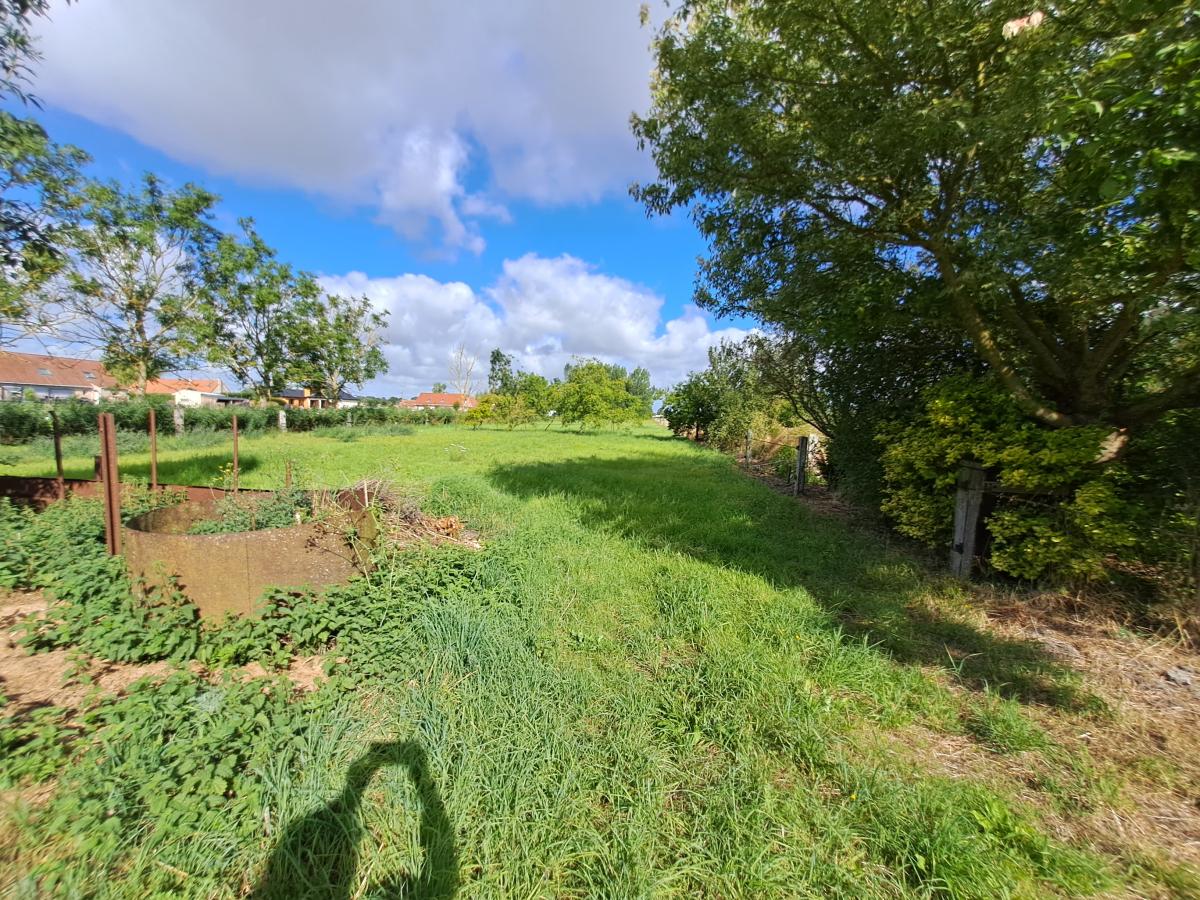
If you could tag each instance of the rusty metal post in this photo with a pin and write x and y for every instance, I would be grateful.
(235, 453)
(110, 473)
(60, 483)
(801, 481)
(153, 451)
(968, 503)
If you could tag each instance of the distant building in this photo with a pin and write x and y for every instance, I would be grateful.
(305, 398)
(53, 378)
(194, 392)
(430, 400)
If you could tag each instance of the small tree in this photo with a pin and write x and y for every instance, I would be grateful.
(251, 316)
(439, 387)
(336, 343)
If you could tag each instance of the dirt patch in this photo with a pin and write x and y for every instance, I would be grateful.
(1128, 782)
(41, 679)
(305, 672)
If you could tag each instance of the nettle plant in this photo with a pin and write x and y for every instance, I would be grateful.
(1070, 513)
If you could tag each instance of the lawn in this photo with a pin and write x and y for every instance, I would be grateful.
(658, 678)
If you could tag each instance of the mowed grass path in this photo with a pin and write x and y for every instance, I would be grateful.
(683, 685)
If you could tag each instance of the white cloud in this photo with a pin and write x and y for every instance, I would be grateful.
(394, 104)
(543, 311)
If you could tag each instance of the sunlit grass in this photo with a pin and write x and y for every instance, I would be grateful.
(668, 681)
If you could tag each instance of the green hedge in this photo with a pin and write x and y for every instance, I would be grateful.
(21, 422)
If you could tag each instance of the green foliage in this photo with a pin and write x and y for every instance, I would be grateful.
(234, 513)
(638, 617)
(1069, 531)
(250, 316)
(133, 284)
(35, 745)
(896, 145)
(334, 342)
(594, 394)
(94, 606)
(723, 402)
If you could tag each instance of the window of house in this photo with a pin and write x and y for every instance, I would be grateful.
(43, 371)
(90, 376)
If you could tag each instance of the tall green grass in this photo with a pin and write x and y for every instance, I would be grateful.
(658, 679)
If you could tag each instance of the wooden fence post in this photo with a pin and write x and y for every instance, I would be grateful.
(746, 456)
(235, 453)
(60, 483)
(287, 475)
(801, 465)
(153, 426)
(967, 505)
(110, 473)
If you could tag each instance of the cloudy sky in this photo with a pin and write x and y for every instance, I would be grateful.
(464, 163)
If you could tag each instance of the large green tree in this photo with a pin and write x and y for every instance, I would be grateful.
(336, 343)
(133, 289)
(252, 312)
(1030, 178)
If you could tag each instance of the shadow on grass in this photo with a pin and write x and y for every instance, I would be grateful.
(698, 506)
(317, 856)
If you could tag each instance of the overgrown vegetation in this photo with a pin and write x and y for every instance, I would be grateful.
(652, 671)
(927, 200)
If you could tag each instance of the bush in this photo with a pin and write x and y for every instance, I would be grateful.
(1073, 515)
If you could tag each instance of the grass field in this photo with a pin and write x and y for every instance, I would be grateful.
(658, 679)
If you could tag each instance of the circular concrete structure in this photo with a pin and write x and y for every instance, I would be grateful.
(227, 573)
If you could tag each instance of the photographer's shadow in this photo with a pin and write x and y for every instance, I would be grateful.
(317, 856)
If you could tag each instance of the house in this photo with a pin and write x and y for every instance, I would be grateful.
(194, 391)
(53, 377)
(305, 398)
(430, 400)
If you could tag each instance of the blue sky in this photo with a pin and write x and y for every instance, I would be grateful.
(464, 164)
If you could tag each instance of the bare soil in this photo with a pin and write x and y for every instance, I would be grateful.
(42, 679)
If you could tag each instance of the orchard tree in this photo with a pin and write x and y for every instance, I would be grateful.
(132, 290)
(335, 342)
(595, 393)
(1038, 170)
(439, 387)
(251, 313)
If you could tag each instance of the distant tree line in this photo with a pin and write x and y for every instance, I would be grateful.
(591, 393)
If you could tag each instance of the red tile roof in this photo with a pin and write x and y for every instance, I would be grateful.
(171, 385)
(38, 370)
(427, 398)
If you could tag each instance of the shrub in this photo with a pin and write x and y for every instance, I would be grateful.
(1073, 514)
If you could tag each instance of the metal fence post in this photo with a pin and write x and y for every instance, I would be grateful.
(235, 453)
(153, 425)
(968, 502)
(60, 483)
(801, 465)
(110, 473)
